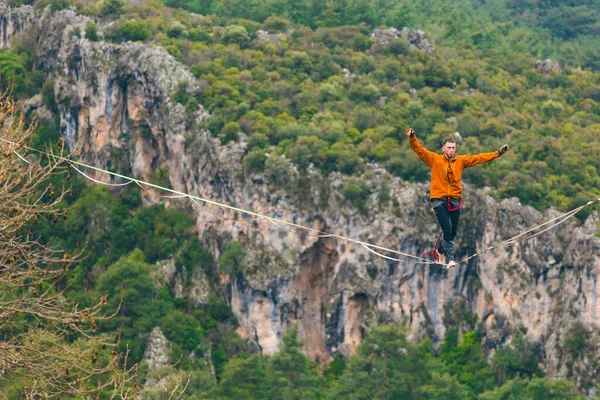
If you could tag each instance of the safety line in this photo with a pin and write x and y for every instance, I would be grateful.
(222, 218)
(561, 218)
(397, 259)
(100, 182)
(208, 201)
(319, 233)
(20, 156)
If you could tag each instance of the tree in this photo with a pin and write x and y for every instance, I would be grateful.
(130, 289)
(294, 375)
(91, 31)
(444, 387)
(536, 389)
(515, 360)
(232, 258)
(13, 72)
(288, 374)
(236, 34)
(466, 360)
(111, 7)
(386, 366)
(244, 379)
(37, 322)
(134, 30)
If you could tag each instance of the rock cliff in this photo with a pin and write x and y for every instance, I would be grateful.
(116, 112)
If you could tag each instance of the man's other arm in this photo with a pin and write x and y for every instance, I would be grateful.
(471, 161)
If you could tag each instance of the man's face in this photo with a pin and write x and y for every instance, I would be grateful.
(449, 150)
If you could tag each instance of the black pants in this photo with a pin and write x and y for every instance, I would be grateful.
(448, 221)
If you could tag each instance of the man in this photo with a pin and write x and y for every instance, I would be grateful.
(445, 191)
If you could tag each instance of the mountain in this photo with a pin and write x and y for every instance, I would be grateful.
(132, 108)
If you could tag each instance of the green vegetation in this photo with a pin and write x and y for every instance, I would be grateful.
(111, 8)
(329, 96)
(17, 74)
(91, 31)
(123, 241)
(111, 227)
(542, 29)
(324, 94)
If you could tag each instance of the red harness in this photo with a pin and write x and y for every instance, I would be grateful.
(455, 208)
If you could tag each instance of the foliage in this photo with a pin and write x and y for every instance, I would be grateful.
(39, 357)
(515, 360)
(386, 366)
(15, 75)
(231, 260)
(534, 389)
(358, 193)
(236, 34)
(466, 360)
(575, 344)
(129, 287)
(289, 374)
(132, 29)
(111, 8)
(331, 98)
(91, 31)
(324, 94)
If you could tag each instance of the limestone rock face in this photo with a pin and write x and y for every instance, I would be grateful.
(116, 112)
(35, 106)
(192, 283)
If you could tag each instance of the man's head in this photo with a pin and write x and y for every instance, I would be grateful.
(449, 148)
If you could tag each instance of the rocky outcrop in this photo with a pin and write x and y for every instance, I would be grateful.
(192, 283)
(265, 36)
(548, 66)
(113, 98)
(13, 21)
(36, 107)
(415, 38)
(158, 352)
(117, 113)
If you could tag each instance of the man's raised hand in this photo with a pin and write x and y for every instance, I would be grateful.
(410, 132)
(503, 149)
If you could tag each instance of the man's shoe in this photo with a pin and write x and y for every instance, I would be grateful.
(451, 264)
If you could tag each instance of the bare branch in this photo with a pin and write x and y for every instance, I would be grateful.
(47, 343)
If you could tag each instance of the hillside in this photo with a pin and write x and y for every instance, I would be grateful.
(298, 118)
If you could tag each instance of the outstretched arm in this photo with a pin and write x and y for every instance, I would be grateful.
(470, 161)
(425, 155)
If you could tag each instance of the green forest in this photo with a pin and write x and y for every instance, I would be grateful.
(324, 93)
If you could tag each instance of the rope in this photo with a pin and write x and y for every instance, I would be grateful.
(20, 156)
(397, 259)
(561, 218)
(100, 182)
(208, 201)
(519, 237)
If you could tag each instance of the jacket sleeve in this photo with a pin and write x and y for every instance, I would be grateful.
(471, 161)
(425, 155)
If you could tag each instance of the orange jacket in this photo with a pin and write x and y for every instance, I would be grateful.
(446, 175)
